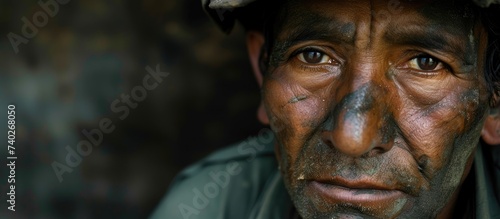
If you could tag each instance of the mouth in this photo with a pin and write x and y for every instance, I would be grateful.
(362, 193)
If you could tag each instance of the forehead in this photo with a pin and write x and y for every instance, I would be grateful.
(453, 18)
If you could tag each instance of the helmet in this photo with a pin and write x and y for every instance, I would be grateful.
(226, 12)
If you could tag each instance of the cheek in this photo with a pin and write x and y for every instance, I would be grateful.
(449, 128)
(295, 110)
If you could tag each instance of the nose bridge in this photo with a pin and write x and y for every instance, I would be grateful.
(360, 121)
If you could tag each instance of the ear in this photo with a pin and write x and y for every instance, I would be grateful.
(255, 43)
(491, 128)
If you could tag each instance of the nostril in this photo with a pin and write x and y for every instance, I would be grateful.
(326, 138)
(375, 152)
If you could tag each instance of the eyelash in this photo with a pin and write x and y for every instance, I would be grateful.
(303, 50)
(439, 61)
(310, 67)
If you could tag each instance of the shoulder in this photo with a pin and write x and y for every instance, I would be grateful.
(226, 184)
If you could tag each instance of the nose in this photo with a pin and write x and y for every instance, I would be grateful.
(360, 124)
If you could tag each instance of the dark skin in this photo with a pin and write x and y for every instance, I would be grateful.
(375, 117)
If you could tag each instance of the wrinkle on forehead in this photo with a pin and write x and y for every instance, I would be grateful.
(366, 31)
(304, 24)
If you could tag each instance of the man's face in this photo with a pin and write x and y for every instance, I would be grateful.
(377, 106)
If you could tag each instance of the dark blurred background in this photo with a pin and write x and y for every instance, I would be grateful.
(65, 78)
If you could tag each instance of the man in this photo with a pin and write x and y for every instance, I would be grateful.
(379, 109)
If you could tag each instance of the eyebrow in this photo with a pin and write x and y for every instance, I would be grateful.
(317, 27)
(431, 38)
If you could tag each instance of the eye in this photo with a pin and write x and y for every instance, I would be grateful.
(426, 63)
(314, 57)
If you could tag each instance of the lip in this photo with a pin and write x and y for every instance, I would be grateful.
(359, 193)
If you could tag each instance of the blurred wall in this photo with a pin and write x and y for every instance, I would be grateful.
(65, 79)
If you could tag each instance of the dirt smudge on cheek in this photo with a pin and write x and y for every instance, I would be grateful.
(473, 110)
(297, 99)
(449, 175)
(474, 114)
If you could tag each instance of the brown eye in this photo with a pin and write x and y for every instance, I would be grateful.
(426, 63)
(314, 57)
